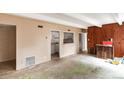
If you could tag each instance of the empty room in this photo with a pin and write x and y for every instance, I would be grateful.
(61, 45)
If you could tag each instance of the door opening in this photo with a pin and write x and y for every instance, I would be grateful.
(55, 43)
(7, 48)
(84, 42)
(80, 43)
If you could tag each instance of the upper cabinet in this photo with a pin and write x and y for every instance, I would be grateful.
(108, 31)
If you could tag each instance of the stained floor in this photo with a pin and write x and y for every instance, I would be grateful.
(73, 67)
(7, 66)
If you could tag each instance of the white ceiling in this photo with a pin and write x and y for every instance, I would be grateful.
(80, 20)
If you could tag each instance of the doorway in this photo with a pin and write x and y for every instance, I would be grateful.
(80, 43)
(7, 48)
(55, 43)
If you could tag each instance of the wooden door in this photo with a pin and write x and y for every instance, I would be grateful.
(90, 37)
(90, 40)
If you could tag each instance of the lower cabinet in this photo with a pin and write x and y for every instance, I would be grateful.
(105, 52)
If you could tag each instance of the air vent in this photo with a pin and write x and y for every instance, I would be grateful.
(30, 61)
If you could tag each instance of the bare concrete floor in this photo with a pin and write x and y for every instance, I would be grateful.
(6, 67)
(73, 67)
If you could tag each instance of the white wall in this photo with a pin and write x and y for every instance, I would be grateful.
(34, 41)
(69, 48)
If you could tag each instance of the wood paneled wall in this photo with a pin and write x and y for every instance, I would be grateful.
(96, 35)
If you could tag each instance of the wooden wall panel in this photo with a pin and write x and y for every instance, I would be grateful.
(121, 40)
(116, 40)
(106, 32)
